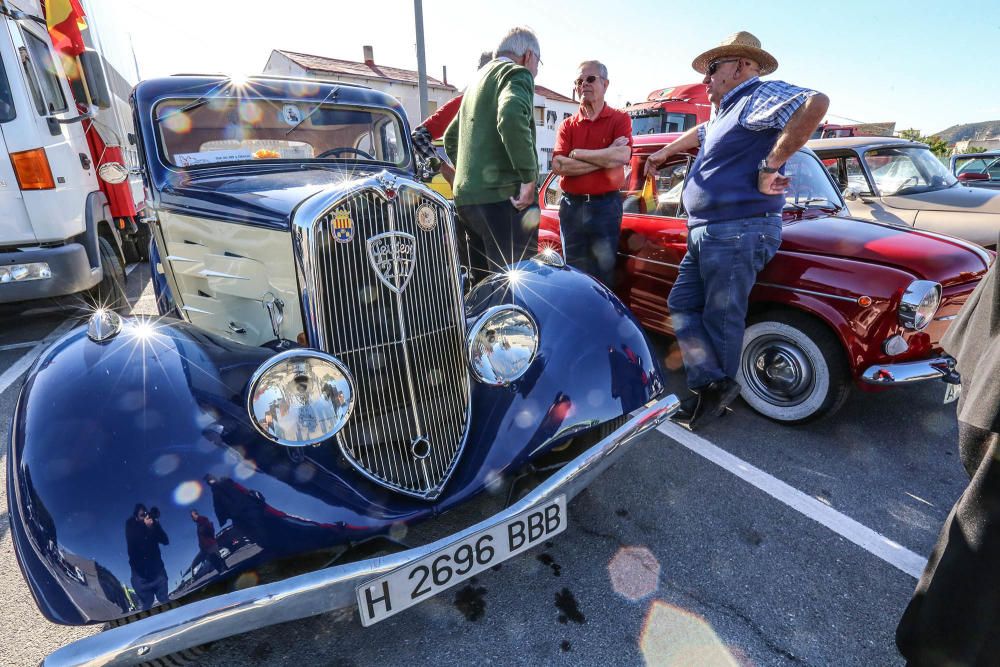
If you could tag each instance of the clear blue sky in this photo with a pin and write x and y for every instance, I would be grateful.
(920, 63)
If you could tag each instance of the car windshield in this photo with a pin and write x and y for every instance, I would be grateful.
(907, 170)
(809, 184)
(989, 165)
(226, 130)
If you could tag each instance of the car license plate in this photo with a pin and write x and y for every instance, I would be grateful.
(415, 582)
(952, 392)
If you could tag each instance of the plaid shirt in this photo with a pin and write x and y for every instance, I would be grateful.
(770, 107)
(422, 143)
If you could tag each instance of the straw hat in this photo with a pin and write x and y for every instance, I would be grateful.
(741, 44)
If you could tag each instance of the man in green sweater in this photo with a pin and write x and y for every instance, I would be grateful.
(492, 143)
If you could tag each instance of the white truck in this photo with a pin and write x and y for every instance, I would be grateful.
(70, 199)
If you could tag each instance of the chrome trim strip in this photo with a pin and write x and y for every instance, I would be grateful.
(812, 292)
(651, 261)
(192, 309)
(208, 273)
(178, 258)
(328, 589)
(907, 372)
(946, 318)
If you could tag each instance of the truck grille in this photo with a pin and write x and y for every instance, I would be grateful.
(402, 335)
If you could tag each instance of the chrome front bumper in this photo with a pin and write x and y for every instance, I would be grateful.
(329, 589)
(910, 371)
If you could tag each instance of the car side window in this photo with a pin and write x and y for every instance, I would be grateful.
(856, 175)
(834, 167)
(665, 198)
(553, 193)
(41, 70)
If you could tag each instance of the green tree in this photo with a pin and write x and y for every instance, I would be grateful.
(938, 146)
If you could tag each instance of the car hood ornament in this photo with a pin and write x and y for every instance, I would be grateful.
(393, 256)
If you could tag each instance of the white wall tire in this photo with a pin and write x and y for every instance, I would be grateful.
(792, 369)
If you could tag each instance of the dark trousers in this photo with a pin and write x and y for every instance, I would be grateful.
(708, 303)
(590, 231)
(498, 235)
(148, 590)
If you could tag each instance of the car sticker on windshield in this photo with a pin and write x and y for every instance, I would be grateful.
(209, 157)
(291, 114)
(343, 226)
(426, 218)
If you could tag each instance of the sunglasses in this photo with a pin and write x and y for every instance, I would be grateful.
(714, 65)
(585, 79)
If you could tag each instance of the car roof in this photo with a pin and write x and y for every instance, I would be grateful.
(859, 143)
(995, 153)
(655, 139)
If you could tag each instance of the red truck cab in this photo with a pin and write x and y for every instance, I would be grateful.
(670, 109)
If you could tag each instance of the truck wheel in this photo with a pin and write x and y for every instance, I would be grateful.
(110, 292)
(793, 369)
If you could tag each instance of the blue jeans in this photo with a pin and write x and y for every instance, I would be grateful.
(590, 232)
(708, 303)
(148, 589)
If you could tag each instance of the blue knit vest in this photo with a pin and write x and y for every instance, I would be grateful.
(723, 181)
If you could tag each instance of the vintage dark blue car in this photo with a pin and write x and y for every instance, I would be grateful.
(320, 382)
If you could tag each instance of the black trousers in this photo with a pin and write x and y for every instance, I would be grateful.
(498, 235)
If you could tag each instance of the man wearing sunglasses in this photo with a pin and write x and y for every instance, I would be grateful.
(733, 197)
(492, 145)
(592, 148)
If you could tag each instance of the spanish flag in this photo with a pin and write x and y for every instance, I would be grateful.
(647, 200)
(65, 20)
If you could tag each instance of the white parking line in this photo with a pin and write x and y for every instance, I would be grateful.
(878, 545)
(24, 363)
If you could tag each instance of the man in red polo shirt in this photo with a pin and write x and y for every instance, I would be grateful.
(591, 151)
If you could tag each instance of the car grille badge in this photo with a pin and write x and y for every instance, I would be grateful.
(393, 255)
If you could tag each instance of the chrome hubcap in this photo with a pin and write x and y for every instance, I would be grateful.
(778, 371)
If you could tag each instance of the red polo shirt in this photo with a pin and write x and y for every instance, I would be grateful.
(580, 132)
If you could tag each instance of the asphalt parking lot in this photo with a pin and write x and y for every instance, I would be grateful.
(748, 543)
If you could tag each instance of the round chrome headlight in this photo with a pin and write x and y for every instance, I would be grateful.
(300, 397)
(502, 344)
(919, 303)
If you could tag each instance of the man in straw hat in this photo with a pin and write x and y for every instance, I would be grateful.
(733, 197)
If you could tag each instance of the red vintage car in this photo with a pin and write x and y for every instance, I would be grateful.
(844, 303)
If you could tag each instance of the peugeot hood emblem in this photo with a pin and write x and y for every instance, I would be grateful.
(393, 256)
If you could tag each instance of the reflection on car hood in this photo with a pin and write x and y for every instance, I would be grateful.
(261, 198)
(931, 257)
(955, 198)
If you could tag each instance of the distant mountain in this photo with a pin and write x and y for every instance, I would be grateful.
(984, 130)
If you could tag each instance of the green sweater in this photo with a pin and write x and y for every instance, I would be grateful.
(492, 139)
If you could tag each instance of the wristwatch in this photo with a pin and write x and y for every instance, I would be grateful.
(764, 168)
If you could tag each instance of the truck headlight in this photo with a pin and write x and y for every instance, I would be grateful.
(502, 344)
(919, 303)
(300, 397)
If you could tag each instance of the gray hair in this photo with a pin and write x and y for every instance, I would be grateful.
(517, 42)
(601, 69)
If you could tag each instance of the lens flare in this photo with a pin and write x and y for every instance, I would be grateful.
(187, 492)
(672, 636)
(634, 573)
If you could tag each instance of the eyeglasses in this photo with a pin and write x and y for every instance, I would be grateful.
(714, 65)
(588, 79)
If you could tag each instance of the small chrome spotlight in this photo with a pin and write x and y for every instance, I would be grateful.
(104, 325)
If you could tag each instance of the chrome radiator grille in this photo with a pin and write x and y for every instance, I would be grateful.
(402, 339)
